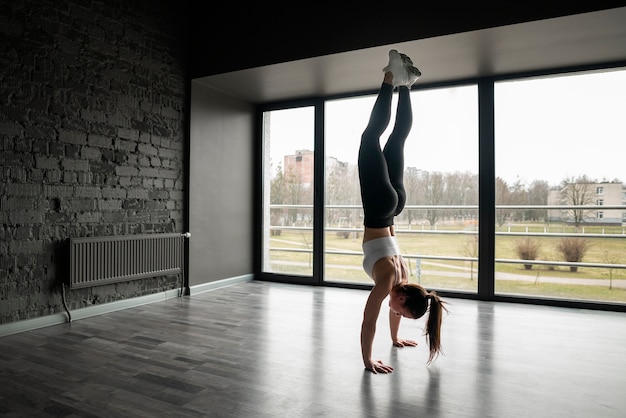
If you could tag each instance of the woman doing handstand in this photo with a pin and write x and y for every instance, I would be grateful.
(383, 196)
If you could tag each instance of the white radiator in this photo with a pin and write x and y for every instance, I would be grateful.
(101, 260)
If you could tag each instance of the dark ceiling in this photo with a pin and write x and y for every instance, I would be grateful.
(574, 40)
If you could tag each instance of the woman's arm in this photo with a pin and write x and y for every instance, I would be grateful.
(368, 329)
(394, 326)
(395, 318)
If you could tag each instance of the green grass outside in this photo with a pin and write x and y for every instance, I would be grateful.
(456, 275)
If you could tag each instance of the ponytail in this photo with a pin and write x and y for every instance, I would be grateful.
(433, 325)
(418, 302)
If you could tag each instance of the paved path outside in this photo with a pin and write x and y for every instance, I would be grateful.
(464, 273)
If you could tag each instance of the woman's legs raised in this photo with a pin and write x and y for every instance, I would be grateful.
(377, 193)
(394, 148)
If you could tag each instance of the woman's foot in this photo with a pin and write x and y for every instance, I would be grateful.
(406, 59)
(414, 74)
(412, 71)
(397, 68)
(401, 66)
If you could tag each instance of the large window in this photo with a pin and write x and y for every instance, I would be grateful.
(288, 185)
(560, 144)
(552, 181)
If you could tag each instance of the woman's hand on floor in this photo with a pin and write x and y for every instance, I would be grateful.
(377, 366)
(404, 343)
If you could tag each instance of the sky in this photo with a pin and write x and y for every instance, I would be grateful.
(546, 128)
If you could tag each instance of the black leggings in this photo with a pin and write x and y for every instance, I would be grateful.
(381, 171)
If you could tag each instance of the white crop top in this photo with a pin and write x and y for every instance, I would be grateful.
(376, 249)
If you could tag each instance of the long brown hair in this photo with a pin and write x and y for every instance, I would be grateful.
(417, 302)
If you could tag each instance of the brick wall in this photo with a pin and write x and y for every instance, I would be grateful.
(92, 140)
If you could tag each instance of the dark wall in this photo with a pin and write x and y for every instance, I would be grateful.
(92, 139)
(254, 34)
(221, 188)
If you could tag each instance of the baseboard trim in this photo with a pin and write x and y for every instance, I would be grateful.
(94, 310)
(206, 287)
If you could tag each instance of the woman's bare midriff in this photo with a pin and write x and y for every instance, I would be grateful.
(373, 233)
(386, 267)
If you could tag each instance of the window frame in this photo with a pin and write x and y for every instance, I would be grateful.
(486, 196)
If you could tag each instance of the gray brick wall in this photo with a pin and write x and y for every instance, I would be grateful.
(92, 141)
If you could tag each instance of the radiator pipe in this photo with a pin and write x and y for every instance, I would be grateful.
(184, 290)
(69, 315)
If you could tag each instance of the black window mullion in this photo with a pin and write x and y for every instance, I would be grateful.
(486, 190)
(318, 194)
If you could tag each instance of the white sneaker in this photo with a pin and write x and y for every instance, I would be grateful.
(413, 74)
(406, 59)
(397, 68)
(412, 71)
(401, 66)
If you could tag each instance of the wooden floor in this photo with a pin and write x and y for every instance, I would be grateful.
(260, 349)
